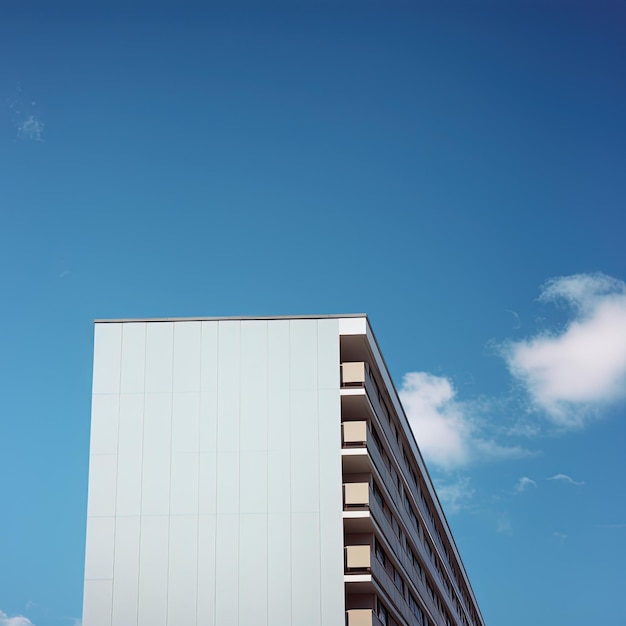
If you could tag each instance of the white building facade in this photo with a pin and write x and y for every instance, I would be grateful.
(259, 471)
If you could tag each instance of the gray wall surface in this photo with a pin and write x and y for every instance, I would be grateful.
(215, 475)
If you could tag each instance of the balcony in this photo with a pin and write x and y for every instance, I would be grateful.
(358, 558)
(362, 617)
(356, 495)
(354, 434)
(353, 374)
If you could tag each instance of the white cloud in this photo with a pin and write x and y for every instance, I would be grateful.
(448, 432)
(437, 419)
(18, 620)
(566, 479)
(31, 128)
(456, 495)
(572, 373)
(524, 483)
(561, 537)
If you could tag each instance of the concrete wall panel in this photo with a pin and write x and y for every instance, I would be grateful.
(99, 551)
(130, 454)
(104, 423)
(153, 571)
(187, 356)
(126, 572)
(107, 358)
(133, 358)
(182, 591)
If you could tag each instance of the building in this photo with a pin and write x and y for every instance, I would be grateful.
(260, 471)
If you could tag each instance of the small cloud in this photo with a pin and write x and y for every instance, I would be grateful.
(524, 429)
(612, 526)
(24, 115)
(503, 525)
(564, 478)
(572, 374)
(561, 537)
(456, 495)
(449, 433)
(517, 323)
(18, 620)
(64, 273)
(31, 128)
(524, 483)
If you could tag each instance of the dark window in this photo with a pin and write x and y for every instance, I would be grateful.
(377, 494)
(380, 553)
(382, 613)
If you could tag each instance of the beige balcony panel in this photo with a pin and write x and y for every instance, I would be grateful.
(358, 557)
(359, 617)
(356, 494)
(355, 432)
(352, 373)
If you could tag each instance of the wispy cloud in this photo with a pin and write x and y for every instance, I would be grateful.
(455, 495)
(503, 525)
(517, 323)
(25, 116)
(450, 433)
(572, 373)
(564, 478)
(18, 620)
(31, 128)
(524, 483)
(561, 537)
(612, 526)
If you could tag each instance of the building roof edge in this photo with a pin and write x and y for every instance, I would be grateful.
(227, 318)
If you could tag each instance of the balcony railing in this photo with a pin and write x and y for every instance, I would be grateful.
(353, 374)
(362, 617)
(354, 433)
(356, 495)
(358, 557)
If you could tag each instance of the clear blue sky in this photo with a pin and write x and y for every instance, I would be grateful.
(455, 170)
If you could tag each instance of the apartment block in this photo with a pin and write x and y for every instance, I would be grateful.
(260, 471)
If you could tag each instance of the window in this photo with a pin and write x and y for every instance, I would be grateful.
(380, 553)
(416, 610)
(376, 439)
(377, 494)
(383, 407)
(382, 613)
(430, 590)
(396, 527)
(397, 580)
(395, 478)
(418, 566)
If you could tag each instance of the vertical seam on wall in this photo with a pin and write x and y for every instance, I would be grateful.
(169, 508)
(239, 470)
(267, 474)
(143, 431)
(117, 457)
(319, 461)
(217, 425)
(198, 472)
(290, 474)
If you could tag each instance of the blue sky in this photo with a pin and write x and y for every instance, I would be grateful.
(455, 170)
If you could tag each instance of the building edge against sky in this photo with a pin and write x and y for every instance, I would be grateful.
(260, 470)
